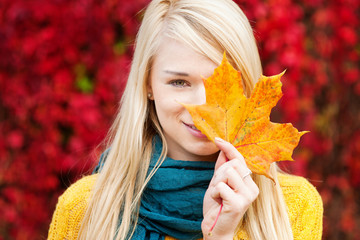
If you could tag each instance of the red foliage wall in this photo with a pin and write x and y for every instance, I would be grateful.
(63, 65)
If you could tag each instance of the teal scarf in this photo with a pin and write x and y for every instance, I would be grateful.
(172, 202)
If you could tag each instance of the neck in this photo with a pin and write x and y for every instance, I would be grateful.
(192, 157)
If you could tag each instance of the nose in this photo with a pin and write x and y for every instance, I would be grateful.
(199, 96)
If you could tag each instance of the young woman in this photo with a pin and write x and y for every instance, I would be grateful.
(161, 178)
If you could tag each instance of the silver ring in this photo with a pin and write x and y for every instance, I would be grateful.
(247, 174)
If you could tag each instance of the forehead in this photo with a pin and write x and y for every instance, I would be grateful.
(175, 55)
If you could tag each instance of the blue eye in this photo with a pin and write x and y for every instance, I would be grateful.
(179, 83)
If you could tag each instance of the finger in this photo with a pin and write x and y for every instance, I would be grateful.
(226, 175)
(235, 175)
(230, 199)
(235, 157)
(250, 184)
(229, 150)
(220, 160)
(245, 174)
(222, 191)
(236, 164)
(230, 176)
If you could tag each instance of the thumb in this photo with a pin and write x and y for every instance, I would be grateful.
(220, 160)
(227, 148)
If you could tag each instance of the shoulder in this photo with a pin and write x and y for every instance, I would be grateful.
(296, 188)
(76, 197)
(70, 209)
(304, 205)
(78, 191)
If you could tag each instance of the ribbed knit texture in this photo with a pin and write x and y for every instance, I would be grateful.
(303, 201)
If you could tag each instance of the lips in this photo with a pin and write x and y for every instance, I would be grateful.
(194, 131)
(192, 126)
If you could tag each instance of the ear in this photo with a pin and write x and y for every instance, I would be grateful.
(150, 95)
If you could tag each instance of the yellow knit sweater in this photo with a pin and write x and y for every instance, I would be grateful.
(304, 207)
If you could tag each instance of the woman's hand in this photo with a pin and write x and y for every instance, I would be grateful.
(232, 186)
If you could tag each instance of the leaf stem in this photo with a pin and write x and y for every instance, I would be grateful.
(217, 217)
(212, 227)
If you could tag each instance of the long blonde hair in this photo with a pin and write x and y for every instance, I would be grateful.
(210, 28)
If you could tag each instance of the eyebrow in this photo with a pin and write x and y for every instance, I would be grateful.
(177, 73)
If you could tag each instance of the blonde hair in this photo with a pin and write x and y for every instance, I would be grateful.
(210, 28)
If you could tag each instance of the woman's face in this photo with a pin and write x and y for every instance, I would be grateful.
(176, 77)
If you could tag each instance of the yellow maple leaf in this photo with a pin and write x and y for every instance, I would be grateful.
(243, 121)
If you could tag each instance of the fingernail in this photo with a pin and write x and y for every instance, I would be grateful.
(219, 140)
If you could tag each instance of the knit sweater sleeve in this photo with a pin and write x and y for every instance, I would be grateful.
(305, 207)
(70, 210)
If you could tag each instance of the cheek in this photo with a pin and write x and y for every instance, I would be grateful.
(168, 108)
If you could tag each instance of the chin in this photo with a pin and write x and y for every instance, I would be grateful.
(207, 152)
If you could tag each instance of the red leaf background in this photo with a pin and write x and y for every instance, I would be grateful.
(63, 66)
